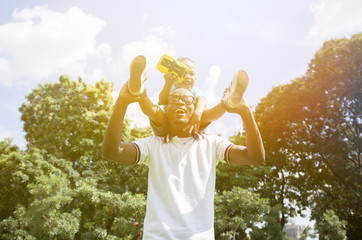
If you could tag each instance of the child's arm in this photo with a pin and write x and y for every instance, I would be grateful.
(169, 81)
(194, 124)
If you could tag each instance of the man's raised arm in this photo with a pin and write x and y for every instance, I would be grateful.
(113, 147)
(254, 151)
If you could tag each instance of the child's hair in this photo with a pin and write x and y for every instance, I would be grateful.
(185, 58)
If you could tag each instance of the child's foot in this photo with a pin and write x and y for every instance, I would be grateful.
(236, 90)
(136, 83)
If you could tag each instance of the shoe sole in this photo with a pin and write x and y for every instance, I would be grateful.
(241, 81)
(136, 69)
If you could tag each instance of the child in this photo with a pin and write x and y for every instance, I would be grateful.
(201, 117)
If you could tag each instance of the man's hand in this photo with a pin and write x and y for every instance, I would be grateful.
(126, 97)
(243, 106)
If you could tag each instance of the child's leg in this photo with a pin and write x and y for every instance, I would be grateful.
(212, 114)
(232, 97)
(152, 111)
(136, 88)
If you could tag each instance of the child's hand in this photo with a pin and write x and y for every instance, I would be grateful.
(170, 78)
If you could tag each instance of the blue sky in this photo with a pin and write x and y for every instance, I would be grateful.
(272, 40)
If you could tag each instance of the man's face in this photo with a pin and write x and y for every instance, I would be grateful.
(180, 107)
(190, 76)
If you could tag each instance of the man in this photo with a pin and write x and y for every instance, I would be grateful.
(181, 167)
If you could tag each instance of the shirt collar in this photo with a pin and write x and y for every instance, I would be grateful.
(170, 138)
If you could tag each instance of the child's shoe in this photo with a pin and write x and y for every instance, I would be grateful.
(236, 90)
(137, 78)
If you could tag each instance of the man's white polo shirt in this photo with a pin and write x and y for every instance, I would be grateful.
(181, 185)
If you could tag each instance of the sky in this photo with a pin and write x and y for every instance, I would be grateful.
(273, 40)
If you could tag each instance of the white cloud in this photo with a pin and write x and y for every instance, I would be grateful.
(209, 85)
(273, 33)
(95, 76)
(153, 46)
(104, 50)
(40, 42)
(163, 30)
(5, 133)
(145, 19)
(16, 136)
(5, 71)
(334, 18)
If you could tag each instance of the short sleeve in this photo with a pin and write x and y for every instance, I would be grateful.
(196, 91)
(222, 149)
(143, 150)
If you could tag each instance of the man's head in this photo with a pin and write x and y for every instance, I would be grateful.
(179, 109)
(190, 76)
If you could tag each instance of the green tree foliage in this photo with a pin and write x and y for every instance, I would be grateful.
(271, 228)
(38, 196)
(11, 190)
(52, 208)
(68, 118)
(330, 227)
(308, 232)
(229, 176)
(66, 190)
(236, 211)
(312, 133)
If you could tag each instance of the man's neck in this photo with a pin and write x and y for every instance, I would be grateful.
(179, 132)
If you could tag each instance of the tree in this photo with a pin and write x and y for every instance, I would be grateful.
(331, 228)
(230, 176)
(236, 211)
(271, 228)
(271, 180)
(49, 207)
(36, 186)
(61, 187)
(307, 232)
(12, 187)
(311, 128)
(238, 206)
(68, 118)
(280, 182)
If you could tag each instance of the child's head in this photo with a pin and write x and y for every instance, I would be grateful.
(190, 76)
